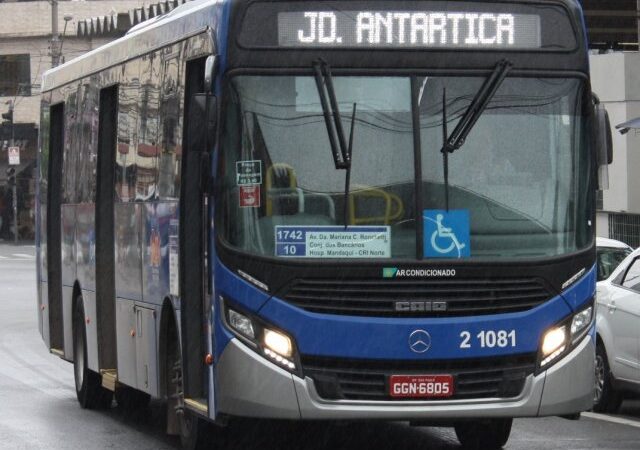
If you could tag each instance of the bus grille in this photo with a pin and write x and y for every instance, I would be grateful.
(471, 297)
(341, 379)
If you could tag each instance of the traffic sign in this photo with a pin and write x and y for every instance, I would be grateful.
(14, 156)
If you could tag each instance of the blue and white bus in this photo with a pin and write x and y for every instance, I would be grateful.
(337, 209)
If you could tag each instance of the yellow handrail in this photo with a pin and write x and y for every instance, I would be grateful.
(291, 175)
(392, 201)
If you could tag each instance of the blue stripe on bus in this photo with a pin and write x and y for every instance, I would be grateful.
(233, 287)
(387, 338)
(582, 291)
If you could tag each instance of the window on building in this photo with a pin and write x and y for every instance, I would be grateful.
(625, 228)
(15, 75)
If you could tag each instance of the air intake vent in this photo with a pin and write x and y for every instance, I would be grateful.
(341, 379)
(417, 298)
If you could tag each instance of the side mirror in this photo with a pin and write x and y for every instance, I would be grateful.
(604, 138)
(202, 122)
(202, 130)
(205, 106)
(210, 69)
(603, 144)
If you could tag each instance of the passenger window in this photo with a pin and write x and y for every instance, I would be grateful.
(44, 151)
(88, 143)
(147, 148)
(128, 104)
(71, 149)
(171, 104)
(632, 277)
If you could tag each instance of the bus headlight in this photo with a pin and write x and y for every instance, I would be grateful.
(580, 321)
(560, 339)
(553, 344)
(278, 343)
(241, 324)
(265, 339)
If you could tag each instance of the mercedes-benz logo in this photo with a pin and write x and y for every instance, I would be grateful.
(419, 341)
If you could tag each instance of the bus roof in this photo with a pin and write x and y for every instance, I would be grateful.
(184, 21)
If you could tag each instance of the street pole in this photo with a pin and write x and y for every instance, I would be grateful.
(15, 178)
(55, 39)
(15, 209)
(638, 21)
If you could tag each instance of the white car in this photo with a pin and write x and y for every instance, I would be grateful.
(610, 255)
(617, 324)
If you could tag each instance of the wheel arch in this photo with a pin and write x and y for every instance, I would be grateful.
(168, 319)
(604, 338)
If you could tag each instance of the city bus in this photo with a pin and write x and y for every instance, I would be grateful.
(327, 210)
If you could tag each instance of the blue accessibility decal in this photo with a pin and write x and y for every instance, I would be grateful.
(447, 233)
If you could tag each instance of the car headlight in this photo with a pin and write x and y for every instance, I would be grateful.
(562, 338)
(267, 340)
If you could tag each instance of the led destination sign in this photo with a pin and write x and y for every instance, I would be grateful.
(413, 29)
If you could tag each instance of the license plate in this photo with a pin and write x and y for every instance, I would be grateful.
(421, 386)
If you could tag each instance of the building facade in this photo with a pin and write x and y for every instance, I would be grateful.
(615, 79)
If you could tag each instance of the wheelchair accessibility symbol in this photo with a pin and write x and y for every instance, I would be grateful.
(446, 234)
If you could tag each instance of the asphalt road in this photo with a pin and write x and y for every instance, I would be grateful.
(38, 408)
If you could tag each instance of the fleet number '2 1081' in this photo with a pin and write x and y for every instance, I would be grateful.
(489, 339)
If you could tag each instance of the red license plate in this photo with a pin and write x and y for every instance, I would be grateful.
(421, 386)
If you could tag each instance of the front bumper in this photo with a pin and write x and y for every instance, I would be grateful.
(248, 385)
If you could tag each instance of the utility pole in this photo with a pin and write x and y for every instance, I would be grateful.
(55, 38)
(638, 21)
(11, 172)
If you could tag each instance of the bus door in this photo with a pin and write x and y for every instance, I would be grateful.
(193, 236)
(52, 328)
(104, 232)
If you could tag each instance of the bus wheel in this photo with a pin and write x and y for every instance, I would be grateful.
(89, 388)
(131, 400)
(484, 434)
(606, 398)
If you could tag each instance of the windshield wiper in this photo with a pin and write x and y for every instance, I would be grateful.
(478, 105)
(339, 149)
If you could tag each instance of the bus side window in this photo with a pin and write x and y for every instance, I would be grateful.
(128, 105)
(70, 148)
(170, 126)
(147, 148)
(88, 142)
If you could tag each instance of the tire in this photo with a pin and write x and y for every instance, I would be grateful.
(195, 432)
(131, 400)
(485, 434)
(89, 390)
(606, 398)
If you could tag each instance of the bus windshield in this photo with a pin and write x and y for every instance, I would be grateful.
(521, 180)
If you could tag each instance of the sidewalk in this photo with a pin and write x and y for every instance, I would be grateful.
(21, 243)
(24, 250)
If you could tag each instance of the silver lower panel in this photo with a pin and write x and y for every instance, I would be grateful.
(249, 385)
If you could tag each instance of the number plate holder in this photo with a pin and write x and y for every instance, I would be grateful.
(421, 386)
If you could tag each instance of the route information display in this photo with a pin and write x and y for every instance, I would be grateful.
(408, 25)
(408, 29)
(333, 242)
